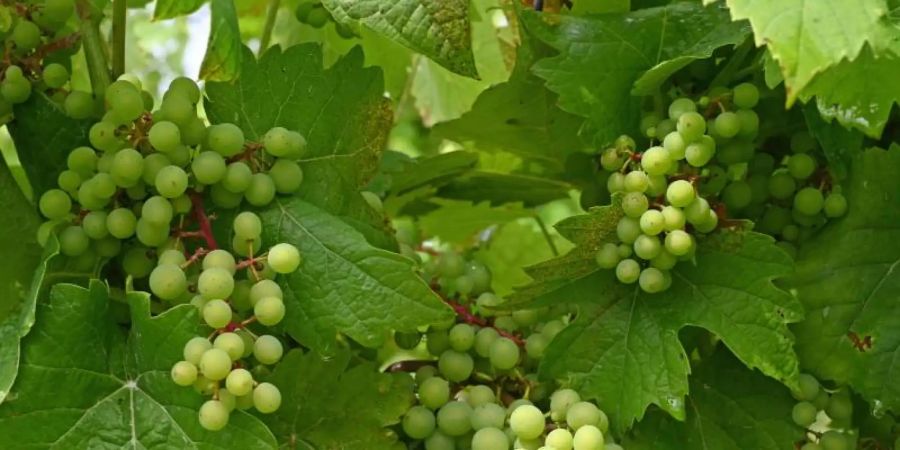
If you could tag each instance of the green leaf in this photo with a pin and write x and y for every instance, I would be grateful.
(44, 136)
(586, 7)
(438, 30)
(808, 36)
(499, 188)
(167, 9)
(438, 170)
(224, 49)
(839, 144)
(82, 386)
(605, 58)
(624, 350)
(847, 279)
(461, 221)
(859, 94)
(730, 408)
(328, 389)
(341, 111)
(346, 285)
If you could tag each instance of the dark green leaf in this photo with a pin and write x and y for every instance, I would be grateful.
(83, 386)
(341, 111)
(460, 221)
(847, 279)
(498, 188)
(839, 144)
(346, 285)
(167, 9)
(328, 390)
(430, 171)
(224, 49)
(438, 30)
(604, 58)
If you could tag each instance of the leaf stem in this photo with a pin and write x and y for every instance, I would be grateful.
(118, 37)
(271, 15)
(547, 236)
(98, 68)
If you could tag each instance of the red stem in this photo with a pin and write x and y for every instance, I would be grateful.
(463, 313)
(203, 221)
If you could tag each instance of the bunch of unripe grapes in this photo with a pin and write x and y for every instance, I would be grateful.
(837, 406)
(33, 25)
(143, 173)
(314, 14)
(457, 275)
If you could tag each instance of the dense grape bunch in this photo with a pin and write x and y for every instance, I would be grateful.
(817, 405)
(701, 168)
(314, 14)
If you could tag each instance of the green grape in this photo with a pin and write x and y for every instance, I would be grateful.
(489, 439)
(288, 176)
(215, 364)
(588, 437)
(699, 153)
(223, 198)
(168, 281)
(195, 348)
(636, 181)
(239, 382)
(559, 439)
(581, 414)
(737, 195)
(418, 423)
(15, 90)
(225, 138)
(238, 177)
(151, 234)
(69, 181)
(103, 136)
(727, 124)
(182, 204)
(840, 407)
(680, 193)
(665, 127)
(26, 35)
(462, 337)
(691, 125)
(833, 440)
(680, 106)
(127, 167)
(455, 366)
(454, 418)
(213, 415)
(103, 185)
(186, 88)
(628, 229)
(527, 422)
(137, 264)
(263, 289)
(679, 243)
(782, 185)
(809, 201)
(608, 256)
(318, 16)
(281, 142)
(79, 105)
(761, 164)
(434, 392)
(504, 353)
(656, 161)
(209, 167)
(634, 204)
(610, 159)
(124, 101)
(648, 124)
(488, 415)
(801, 166)
(165, 136)
(628, 271)
(802, 142)
(745, 96)
(652, 222)
(664, 260)
(184, 373)
(221, 259)
(215, 283)
(108, 247)
(267, 349)
(232, 344)
(483, 340)
(247, 225)
(121, 223)
(749, 123)
(269, 310)
(759, 189)
(193, 132)
(675, 145)
(804, 414)
(615, 183)
(261, 191)
(57, 11)
(697, 211)
(674, 218)
(73, 241)
(647, 247)
(216, 313)
(55, 204)
(153, 163)
(653, 280)
(171, 256)
(55, 75)
(535, 346)
(82, 160)
(171, 182)
(177, 109)
(835, 205)
(284, 258)
(181, 156)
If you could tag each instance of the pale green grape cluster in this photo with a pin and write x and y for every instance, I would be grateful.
(458, 275)
(837, 406)
(33, 33)
(314, 14)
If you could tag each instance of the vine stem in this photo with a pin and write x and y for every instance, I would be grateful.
(98, 68)
(271, 15)
(547, 235)
(203, 221)
(118, 37)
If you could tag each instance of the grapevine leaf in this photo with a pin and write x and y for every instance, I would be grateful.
(586, 7)
(224, 49)
(341, 111)
(44, 136)
(460, 221)
(838, 143)
(605, 58)
(513, 247)
(82, 386)
(438, 30)
(858, 94)
(499, 188)
(167, 9)
(808, 36)
(406, 174)
(346, 285)
(328, 388)
(730, 408)
(847, 279)
(632, 337)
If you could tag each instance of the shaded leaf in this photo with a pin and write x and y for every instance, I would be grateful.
(499, 188)
(460, 221)
(224, 49)
(167, 9)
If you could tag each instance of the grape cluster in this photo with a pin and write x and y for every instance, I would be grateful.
(837, 406)
(36, 29)
(314, 14)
